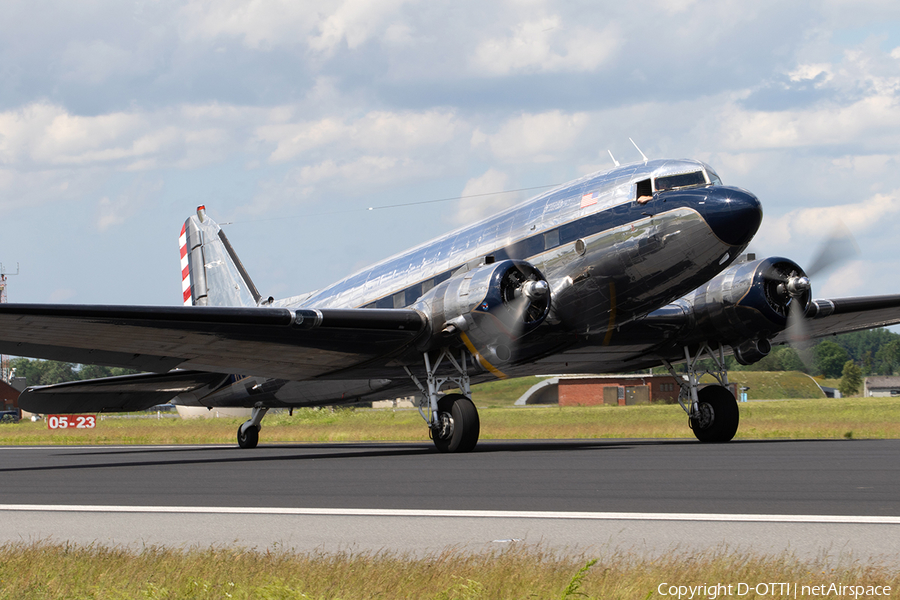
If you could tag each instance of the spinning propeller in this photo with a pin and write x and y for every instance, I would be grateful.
(838, 247)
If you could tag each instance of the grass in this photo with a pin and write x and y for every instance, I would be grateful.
(798, 419)
(41, 571)
(767, 385)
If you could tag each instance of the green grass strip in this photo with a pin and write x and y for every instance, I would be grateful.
(823, 418)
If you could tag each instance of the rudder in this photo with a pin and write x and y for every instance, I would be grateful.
(211, 272)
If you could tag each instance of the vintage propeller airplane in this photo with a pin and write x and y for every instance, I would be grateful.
(626, 269)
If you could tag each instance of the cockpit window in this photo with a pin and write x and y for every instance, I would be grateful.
(714, 178)
(682, 180)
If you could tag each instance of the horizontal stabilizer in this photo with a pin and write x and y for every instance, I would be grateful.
(124, 393)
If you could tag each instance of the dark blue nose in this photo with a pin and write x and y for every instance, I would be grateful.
(733, 214)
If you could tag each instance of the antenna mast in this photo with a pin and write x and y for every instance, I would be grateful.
(5, 374)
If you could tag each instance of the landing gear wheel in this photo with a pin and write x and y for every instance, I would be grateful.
(718, 416)
(458, 424)
(249, 438)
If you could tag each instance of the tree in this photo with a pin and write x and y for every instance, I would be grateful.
(887, 357)
(830, 358)
(851, 379)
(790, 360)
(43, 372)
(48, 372)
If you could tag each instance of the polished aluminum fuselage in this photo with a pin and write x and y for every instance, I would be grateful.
(609, 260)
(611, 251)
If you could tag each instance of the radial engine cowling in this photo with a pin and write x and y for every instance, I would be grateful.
(747, 304)
(493, 305)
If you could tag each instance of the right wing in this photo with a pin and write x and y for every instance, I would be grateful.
(122, 393)
(279, 343)
(843, 315)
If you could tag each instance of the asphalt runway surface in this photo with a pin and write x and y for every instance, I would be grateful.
(830, 499)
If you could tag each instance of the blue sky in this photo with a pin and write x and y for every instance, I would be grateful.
(289, 119)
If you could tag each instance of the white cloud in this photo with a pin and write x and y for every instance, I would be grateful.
(479, 205)
(541, 137)
(321, 26)
(546, 45)
(817, 222)
(376, 131)
(49, 135)
(96, 61)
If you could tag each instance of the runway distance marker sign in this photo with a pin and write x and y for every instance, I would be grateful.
(71, 421)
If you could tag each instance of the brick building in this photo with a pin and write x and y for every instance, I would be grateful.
(620, 390)
(9, 396)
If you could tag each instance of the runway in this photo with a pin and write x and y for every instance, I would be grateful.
(833, 499)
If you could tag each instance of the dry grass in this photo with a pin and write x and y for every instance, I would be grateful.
(874, 418)
(39, 571)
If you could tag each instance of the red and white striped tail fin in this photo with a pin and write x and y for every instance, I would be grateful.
(185, 268)
(211, 272)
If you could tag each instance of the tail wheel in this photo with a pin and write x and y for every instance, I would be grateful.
(458, 424)
(249, 437)
(717, 415)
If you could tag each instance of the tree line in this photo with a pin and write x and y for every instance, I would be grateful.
(875, 352)
(48, 372)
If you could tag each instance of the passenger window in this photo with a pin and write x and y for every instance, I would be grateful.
(551, 239)
(644, 192)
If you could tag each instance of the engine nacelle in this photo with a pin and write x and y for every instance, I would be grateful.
(493, 305)
(747, 304)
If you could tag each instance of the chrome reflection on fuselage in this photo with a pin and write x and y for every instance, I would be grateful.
(649, 232)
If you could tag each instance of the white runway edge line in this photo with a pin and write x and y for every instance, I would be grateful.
(485, 514)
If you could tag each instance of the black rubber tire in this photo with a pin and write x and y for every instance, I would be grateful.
(249, 439)
(725, 412)
(466, 425)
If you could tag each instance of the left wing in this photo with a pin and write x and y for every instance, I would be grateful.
(279, 343)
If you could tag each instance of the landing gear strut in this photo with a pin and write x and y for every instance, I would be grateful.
(248, 432)
(713, 413)
(452, 419)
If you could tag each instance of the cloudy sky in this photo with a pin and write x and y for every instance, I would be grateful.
(288, 119)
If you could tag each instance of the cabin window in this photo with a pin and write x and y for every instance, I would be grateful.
(551, 239)
(682, 180)
(427, 285)
(400, 299)
(643, 191)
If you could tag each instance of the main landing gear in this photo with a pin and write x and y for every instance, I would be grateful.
(452, 419)
(713, 414)
(248, 432)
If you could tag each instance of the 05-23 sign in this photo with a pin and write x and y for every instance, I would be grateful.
(71, 421)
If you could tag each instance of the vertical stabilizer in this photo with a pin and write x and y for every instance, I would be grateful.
(211, 272)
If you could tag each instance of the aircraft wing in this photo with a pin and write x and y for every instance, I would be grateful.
(279, 343)
(110, 394)
(843, 315)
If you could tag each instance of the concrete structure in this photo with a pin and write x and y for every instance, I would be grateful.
(881, 386)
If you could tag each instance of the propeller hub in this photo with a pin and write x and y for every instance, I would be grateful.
(797, 286)
(536, 290)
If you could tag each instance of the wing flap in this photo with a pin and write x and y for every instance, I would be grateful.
(115, 394)
(270, 342)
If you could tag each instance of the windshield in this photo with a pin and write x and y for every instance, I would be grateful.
(681, 180)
